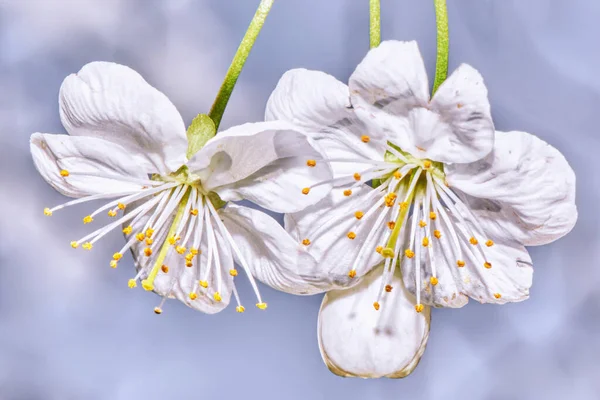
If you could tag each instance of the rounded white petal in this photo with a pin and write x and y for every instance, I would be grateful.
(114, 103)
(272, 256)
(507, 280)
(265, 163)
(327, 224)
(524, 190)
(94, 165)
(320, 104)
(356, 340)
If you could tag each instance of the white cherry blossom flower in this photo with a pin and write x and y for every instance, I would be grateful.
(127, 143)
(454, 202)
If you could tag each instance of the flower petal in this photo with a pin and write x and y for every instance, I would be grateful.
(507, 280)
(272, 256)
(266, 163)
(320, 104)
(525, 189)
(94, 166)
(327, 225)
(356, 340)
(114, 103)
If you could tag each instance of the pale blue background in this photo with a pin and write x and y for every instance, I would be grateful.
(71, 329)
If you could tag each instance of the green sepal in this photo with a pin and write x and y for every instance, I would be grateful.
(200, 131)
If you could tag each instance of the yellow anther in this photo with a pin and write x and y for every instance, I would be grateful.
(233, 272)
(426, 164)
(147, 285)
(172, 240)
(47, 212)
(305, 190)
(473, 241)
(365, 138)
(387, 252)
(127, 230)
(460, 263)
(391, 224)
(419, 308)
(409, 253)
(433, 280)
(422, 223)
(403, 206)
(488, 265)
(132, 283)
(189, 257)
(113, 263)
(87, 246)
(194, 211)
(459, 105)
(87, 219)
(311, 163)
(204, 284)
(306, 242)
(164, 269)
(489, 243)
(193, 296)
(388, 288)
(262, 306)
(117, 256)
(347, 192)
(140, 236)
(432, 215)
(149, 241)
(189, 264)
(352, 273)
(121, 206)
(437, 234)
(74, 244)
(356, 176)
(194, 251)
(390, 198)
(378, 249)
(240, 309)
(497, 295)
(157, 310)
(64, 173)
(351, 235)
(148, 251)
(376, 306)
(149, 232)
(425, 241)
(180, 249)
(359, 214)
(397, 175)
(112, 213)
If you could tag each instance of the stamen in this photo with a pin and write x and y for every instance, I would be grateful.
(379, 249)
(497, 295)
(356, 176)
(437, 234)
(261, 305)
(419, 308)
(164, 269)
(376, 306)
(127, 230)
(311, 163)
(365, 138)
(432, 215)
(347, 193)
(233, 272)
(305, 190)
(488, 265)
(409, 253)
(351, 235)
(87, 219)
(112, 213)
(473, 241)
(47, 212)
(64, 173)
(193, 296)
(391, 225)
(433, 280)
(425, 241)
(422, 224)
(489, 243)
(388, 288)
(74, 244)
(352, 273)
(359, 214)
(306, 242)
(460, 263)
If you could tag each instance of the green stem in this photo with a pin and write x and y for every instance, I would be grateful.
(374, 22)
(218, 107)
(443, 43)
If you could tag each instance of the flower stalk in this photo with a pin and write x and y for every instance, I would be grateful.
(374, 23)
(220, 103)
(443, 43)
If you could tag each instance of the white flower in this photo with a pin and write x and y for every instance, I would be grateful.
(456, 202)
(127, 143)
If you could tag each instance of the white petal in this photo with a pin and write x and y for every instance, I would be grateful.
(320, 104)
(180, 280)
(85, 158)
(327, 224)
(510, 275)
(114, 103)
(272, 255)
(265, 163)
(459, 128)
(357, 340)
(526, 189)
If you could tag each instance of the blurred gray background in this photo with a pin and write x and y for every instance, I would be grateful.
(71, 329)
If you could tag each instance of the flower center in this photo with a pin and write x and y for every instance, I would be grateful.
(168, 216)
